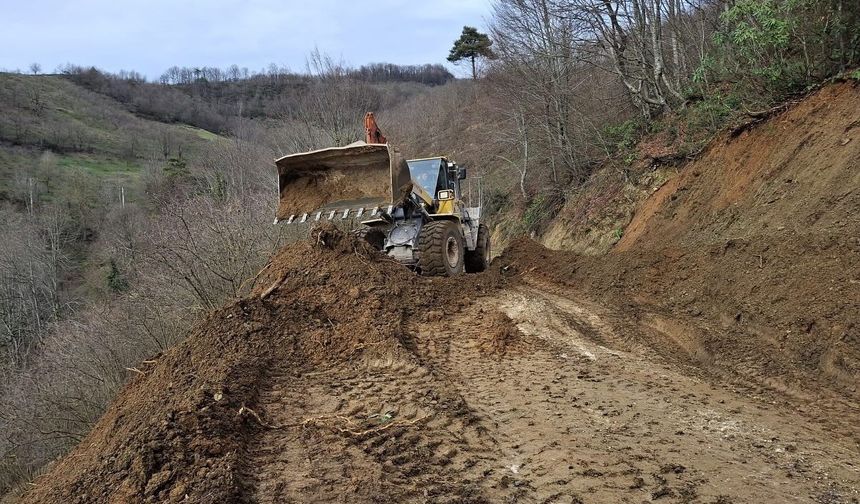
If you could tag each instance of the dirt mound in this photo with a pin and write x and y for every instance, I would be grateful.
(190, 425)
(501, 336)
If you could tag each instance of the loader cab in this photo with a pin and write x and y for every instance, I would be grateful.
(434, 175)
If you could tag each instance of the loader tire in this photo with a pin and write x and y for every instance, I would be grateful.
(441, 250)
(374, 236)
(479, 259)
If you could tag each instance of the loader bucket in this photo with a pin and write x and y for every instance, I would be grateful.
(338, 179)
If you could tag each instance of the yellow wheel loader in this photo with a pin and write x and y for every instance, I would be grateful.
(412, 210)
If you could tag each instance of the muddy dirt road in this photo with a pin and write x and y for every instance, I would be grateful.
(571, 410)
(590, 415)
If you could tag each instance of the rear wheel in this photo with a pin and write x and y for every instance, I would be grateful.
(479, 259)
(441, 249)
(374, 236)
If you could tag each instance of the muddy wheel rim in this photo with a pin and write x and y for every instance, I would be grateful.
(452, 251)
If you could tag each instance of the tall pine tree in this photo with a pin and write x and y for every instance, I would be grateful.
(471, 45)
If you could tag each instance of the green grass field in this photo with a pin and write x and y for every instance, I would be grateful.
(59, 134)
(99, 166)
(204, 134)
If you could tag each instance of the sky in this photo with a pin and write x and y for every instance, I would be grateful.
(150, 36)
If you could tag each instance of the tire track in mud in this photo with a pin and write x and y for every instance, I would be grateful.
(688, 345)
(376, 432)
(586, 413)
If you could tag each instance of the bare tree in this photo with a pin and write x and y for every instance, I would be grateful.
(513, 136)
(535, 44)
(332, 107)
(631, 35)
(32, 262)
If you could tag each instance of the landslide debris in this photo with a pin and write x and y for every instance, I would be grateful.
(188, 427)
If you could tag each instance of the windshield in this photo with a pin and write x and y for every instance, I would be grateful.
(425, 172)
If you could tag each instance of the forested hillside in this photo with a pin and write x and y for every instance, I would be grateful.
(130, 207)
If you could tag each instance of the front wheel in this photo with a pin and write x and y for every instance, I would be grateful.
(374, 236)
(441, 249)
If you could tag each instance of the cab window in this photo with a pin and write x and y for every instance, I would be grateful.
(430, 174)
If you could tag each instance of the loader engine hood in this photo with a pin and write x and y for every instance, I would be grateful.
(360, 175)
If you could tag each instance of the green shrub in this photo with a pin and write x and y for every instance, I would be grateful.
(771, 48)
(115, 280)
(710, 114)
(540, 211)
(621, 137)
(176, 167)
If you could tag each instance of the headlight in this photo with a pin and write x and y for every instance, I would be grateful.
(446, 194)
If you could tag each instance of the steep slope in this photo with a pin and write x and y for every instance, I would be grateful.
(797, 173)
(747, 263)
(799, 156)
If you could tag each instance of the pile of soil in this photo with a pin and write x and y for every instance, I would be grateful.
(501, 336)
(183, 428)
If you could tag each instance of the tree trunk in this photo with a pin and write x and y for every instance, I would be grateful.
(525, 137)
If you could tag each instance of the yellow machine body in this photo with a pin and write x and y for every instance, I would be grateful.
(413, 211)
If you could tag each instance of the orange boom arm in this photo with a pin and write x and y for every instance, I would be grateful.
(372, 135)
